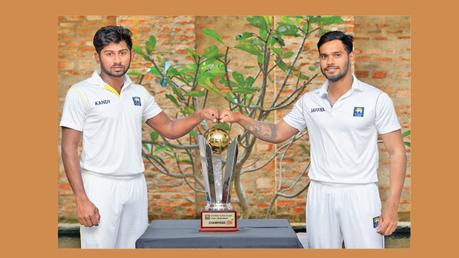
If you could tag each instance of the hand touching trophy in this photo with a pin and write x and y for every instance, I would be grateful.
(218, 215)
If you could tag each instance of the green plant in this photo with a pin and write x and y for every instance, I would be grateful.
(243, 88)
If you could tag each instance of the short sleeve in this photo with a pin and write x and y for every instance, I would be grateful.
(151, 108)
(296, 118)
(386, 117)
(75, 109)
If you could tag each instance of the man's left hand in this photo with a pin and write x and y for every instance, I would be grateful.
(389, 219)
(209, 114)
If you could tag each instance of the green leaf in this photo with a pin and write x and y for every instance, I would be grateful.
(249, 81)
(298, 19)
(312, 68)
(286, 19)
(268, 20)
(193, 133)
(230, 98)
(190, 68)
(150, 45)
(191, 52)
(173, 99)
(258, 21)
(287, 29)
(331, 20)
(177, 92)
(304, 77)
(278, 51)
(406, 133)
(206, 83)
(238, 77)
(282, 65)
(244, 35)
(211, 52)
(263, 34)
(249, 48)
(214, 70)
(154, 136)
(244, 90)
(279, 40)
(140, 52)
(134, 73)
(314, 19)
(223, 126)
(306, 27)
(172, 71)
(195, 93)
(261, 60)
(288, 54)
(154, 71)
(225, 82)
(148, 146)
(187, 110)
(213, 34)
(408, 144)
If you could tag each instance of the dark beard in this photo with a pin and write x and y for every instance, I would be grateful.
(339, 76)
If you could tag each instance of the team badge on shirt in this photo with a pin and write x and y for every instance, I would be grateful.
(358, 111)
(136, 101)
(375, 222)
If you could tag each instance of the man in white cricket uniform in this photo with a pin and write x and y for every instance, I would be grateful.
(107, 111)
(343, 118)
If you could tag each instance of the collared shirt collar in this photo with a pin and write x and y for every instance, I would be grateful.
(96, 79)
(356, 85)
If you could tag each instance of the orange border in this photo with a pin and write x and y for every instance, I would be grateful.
(29, 120)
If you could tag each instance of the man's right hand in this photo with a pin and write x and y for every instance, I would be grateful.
(230, 117)
(88, 214)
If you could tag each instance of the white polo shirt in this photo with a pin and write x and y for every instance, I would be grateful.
(343, 137)
(111, 124)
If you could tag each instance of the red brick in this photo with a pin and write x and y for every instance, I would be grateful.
(379, 75)
(384, 59)
(262, 205)
(298, 210)
(362, 74)
(362, 58)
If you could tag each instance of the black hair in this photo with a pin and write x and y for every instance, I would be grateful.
(111, 34)
(337, 35)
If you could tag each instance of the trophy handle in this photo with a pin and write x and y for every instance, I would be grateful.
(231, 159)
(207, 169)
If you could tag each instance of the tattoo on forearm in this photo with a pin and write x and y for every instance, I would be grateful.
(263, 131)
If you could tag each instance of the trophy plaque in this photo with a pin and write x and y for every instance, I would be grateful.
(218, 215)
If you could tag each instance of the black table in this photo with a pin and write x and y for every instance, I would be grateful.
(253, 233)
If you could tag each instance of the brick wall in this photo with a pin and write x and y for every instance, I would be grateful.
(383, 59)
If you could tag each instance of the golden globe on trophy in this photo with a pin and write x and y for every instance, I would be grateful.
(218, 215)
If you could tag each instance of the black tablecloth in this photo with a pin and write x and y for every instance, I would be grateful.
(253, 233)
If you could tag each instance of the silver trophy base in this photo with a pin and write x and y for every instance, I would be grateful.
(218, 207)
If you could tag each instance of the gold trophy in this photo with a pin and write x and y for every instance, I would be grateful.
(218, 215)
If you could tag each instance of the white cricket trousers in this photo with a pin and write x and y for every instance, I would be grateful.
(338, 213)
(123, 209)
